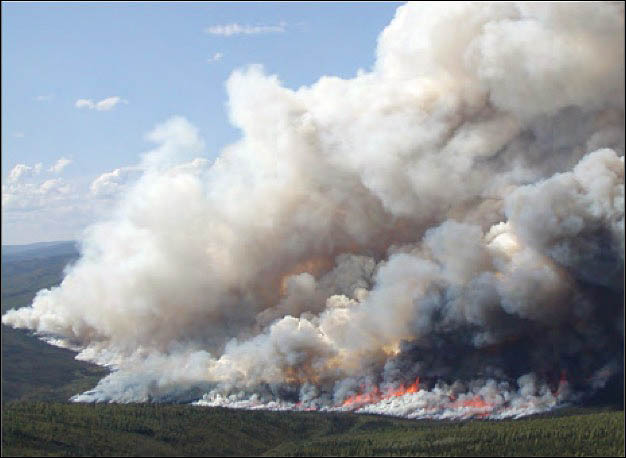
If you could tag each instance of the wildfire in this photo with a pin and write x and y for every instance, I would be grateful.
(392, 349)
(477, 402)
(305, 408)
(410, 401)
(375, 395)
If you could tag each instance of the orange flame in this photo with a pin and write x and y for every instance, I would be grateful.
(374, 395)
(477, 402)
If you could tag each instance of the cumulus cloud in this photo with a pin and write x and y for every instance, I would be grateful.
(455, 214)
(21, 171)
(228, 30)
(29, 196)
(59, 165)
(109, 103)
(112, 183)
(84, 103)
(18, 171)
(38, 208)
(103, 105)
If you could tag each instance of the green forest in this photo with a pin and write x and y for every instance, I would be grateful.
(40, 428)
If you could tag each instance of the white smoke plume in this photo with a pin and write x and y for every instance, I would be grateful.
(456, 214)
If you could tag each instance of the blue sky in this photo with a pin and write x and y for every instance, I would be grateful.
(146, 62)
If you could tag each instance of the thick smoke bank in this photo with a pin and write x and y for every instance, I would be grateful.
(455, 214)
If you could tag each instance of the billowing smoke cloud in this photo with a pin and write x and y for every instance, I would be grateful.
(456, 214)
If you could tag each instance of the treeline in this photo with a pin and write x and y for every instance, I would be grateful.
(597, 434)
(40, 428)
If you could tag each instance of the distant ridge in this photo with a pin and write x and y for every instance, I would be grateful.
(39, 249)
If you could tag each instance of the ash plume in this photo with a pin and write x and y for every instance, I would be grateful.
(454, 214)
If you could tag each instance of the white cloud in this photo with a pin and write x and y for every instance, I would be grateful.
(18, 171)
(30, 196)
(48, 210)
(22, 170)
(111, 183)
(103, 105)
(60, 165)
(108, 103)
(216, 57)
(53, 208)
(238, 29)
(84, 103)
(53, 185)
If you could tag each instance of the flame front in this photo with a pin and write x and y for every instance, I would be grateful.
(485, 400)
(375, 395)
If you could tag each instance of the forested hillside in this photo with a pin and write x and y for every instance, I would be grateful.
(36, 428)
(32, 369)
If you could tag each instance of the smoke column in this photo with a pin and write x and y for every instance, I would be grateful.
(456, 214)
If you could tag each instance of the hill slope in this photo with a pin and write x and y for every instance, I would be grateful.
(173, 430)
(32, 369)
